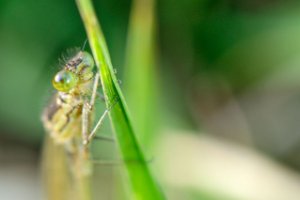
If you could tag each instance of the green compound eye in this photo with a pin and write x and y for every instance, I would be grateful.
(64, 81)
(87, 59)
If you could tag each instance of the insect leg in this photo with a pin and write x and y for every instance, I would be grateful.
(121, 162)
(85, 122)
(94, 92)
(104, 138)
(101, 96)
(100, 122)
(87, 107)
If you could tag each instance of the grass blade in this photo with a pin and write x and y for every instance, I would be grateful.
(142, 183)
(140, 75)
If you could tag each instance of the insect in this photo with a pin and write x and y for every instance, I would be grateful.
(69, 116)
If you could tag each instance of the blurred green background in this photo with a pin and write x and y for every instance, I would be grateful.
(227, 92)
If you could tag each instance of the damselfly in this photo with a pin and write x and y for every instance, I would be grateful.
(69, 116)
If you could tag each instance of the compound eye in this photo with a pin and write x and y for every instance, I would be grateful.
(64, 81)
(87, 60)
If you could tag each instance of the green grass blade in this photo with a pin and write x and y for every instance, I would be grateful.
(140, 75)
(142, 183)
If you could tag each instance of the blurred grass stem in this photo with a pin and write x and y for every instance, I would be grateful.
(140, 72)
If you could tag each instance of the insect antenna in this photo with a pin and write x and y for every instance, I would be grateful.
(84, 45)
